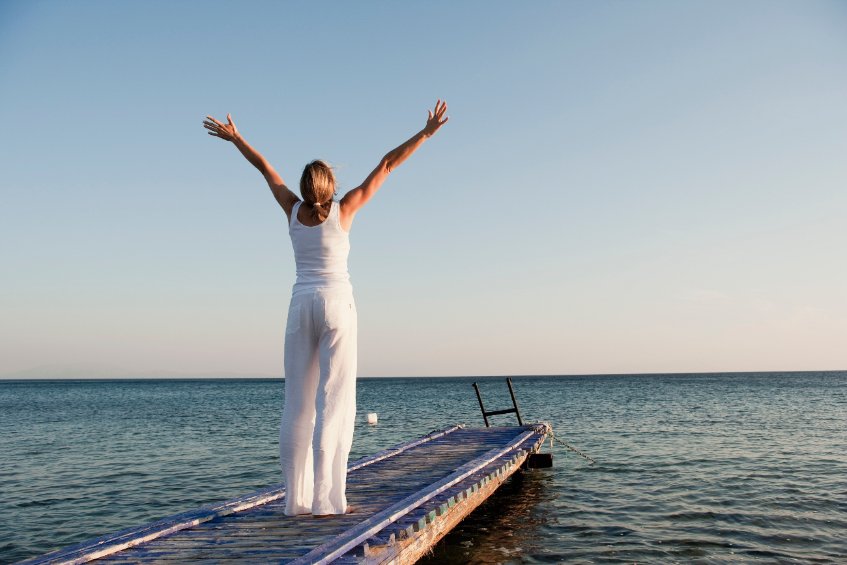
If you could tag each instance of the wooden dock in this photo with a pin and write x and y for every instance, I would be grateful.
(406, 498)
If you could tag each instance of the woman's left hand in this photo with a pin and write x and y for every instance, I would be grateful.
(226, 131)
(434, 122)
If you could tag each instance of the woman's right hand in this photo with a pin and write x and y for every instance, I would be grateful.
(226, 131)
(434, 122)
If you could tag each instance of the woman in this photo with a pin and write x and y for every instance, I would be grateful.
(316, 431)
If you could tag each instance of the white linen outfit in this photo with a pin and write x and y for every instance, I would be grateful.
(316, 432)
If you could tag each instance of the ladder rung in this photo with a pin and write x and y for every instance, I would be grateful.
(495, 412)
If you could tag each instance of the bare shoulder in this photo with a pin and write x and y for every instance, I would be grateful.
(284, 197)
(346, 213)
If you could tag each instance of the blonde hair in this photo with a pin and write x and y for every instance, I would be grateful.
(317, 187)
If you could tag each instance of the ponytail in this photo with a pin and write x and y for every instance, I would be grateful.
(320, 211)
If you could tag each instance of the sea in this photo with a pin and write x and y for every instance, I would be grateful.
(690, 468)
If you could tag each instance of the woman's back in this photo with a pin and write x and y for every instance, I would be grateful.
(320, 251)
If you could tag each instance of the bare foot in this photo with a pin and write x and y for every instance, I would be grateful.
(351, 509)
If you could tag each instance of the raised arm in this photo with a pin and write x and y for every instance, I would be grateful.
(228, 132)
(359, 196)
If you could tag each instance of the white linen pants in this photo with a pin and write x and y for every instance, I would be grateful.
(316, 432)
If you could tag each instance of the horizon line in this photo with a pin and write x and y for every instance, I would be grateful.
(527, 375)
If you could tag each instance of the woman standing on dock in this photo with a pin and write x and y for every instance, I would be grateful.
(316, 432)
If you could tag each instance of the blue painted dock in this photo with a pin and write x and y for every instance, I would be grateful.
(406, 498)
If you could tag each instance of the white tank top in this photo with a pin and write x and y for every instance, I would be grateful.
(320, 252)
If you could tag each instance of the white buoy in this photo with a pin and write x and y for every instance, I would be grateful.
(371, 417)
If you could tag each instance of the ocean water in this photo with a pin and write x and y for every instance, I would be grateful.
(706, 468)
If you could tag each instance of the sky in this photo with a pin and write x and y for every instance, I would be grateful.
(622, 187)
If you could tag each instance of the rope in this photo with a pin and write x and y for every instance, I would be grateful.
(572, 448)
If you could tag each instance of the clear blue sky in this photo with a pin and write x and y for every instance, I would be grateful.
(622, 186)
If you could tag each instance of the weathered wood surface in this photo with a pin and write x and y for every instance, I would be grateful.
(406, 498)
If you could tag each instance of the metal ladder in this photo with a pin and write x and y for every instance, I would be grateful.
(514, 408)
